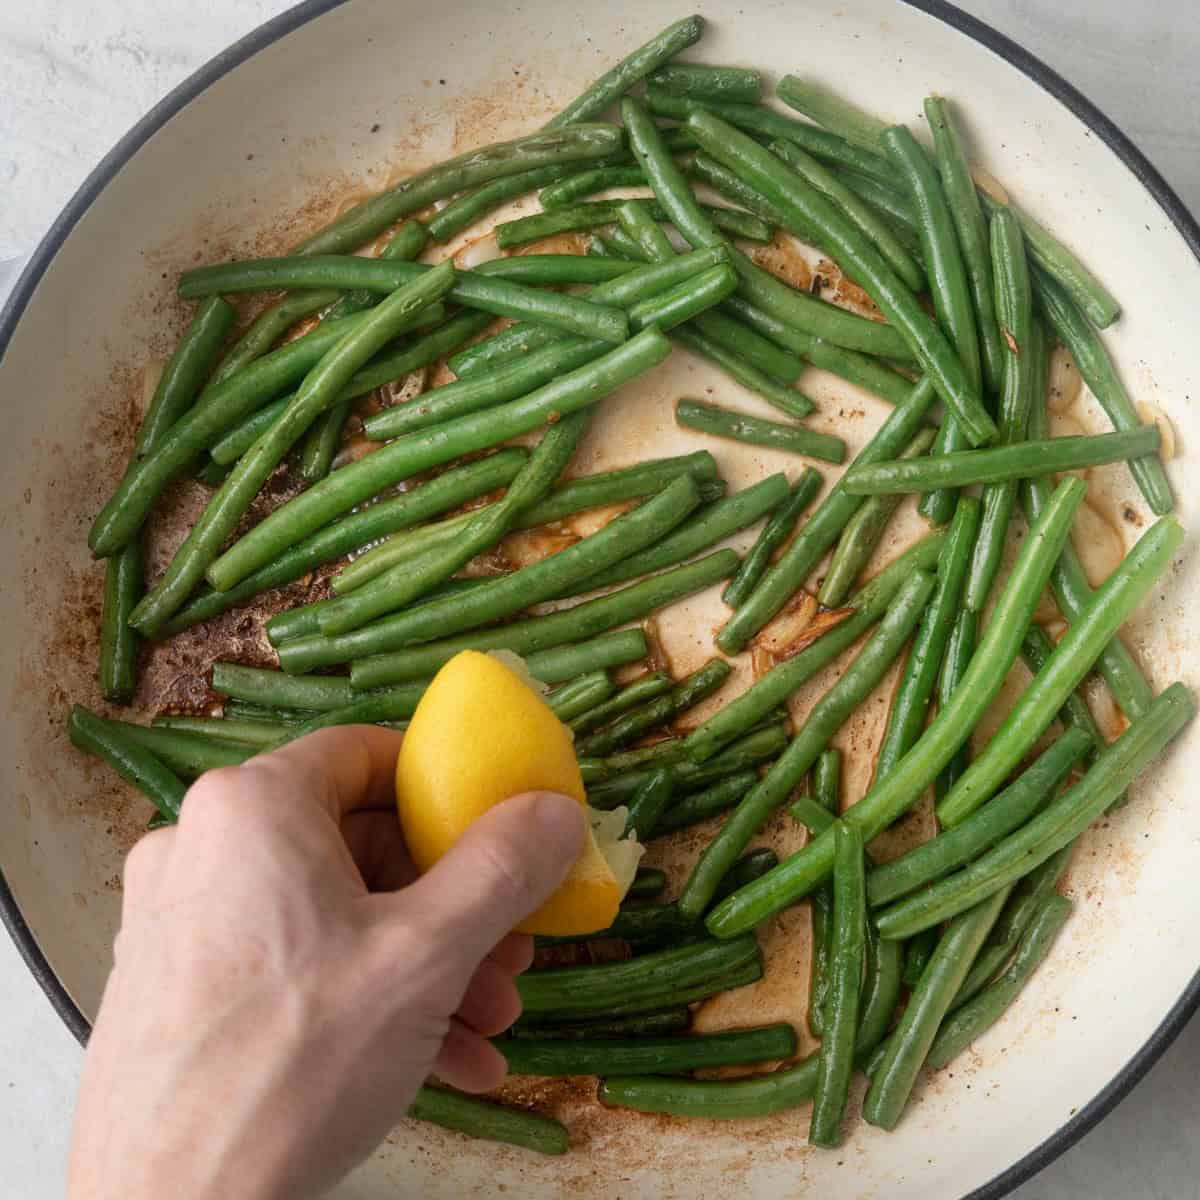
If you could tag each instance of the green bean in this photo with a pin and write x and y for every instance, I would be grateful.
(699, 805)
(971, 1021)
(741, 427)
(628, 289)
(837, 115)
(646, 687)
(858, 368)
(816, 820)
(638, 223)
(551, 270)
(1060, 823)
(576, 495)
(745, 342)
(1073, 592)
(964, 635)
(863, 533)
(321, 387)
(1072, 658)
(625, 763)
(784, 678)
(645, 1056)
(580, 695)
(907, 1048)
(581, 991)
(134, 763)
(371, 217)
(553, 630)
(247, 710)
(402, 458)
(1022, 906)
(917, 953)
(1055, 261)
(951, 291)
(1015, 461)
(726, 1099)
(860, 215)
(322, 441)
(822, 722)
(910, 703)
(760, 287)
(781, 581)
(658, 712)
(118, 642)
(211, 474)
(1006, 812)
(759, 745)
(400, 586)
(184, 372)
(767, 123)
(219, 407)
(653, 1024)
(763, 1095)
(1024, 369)
(822, 811)
(267, 328)
(886, 197)
(713, 524)
(561, 663)
(226, 729)
(377, 520)
(483, 290)
(881, 991)
(949, 287)
(649, 803)
(790, 193)
(787, 399)
(259, 685)
(187, 754)
(408, 241)
(468, 208)
(774, 533)
(591, 214)
(827, 780)
(588, 182)
(615, 243)
(412, 357)
(505, 594)
(480, 1118)
(648, 882)
(644, 61)
(689, 301)
(1074, 714)
(835, 1062)
(889, 797)
(389, 706)
(721, 179)
(727, 981)
(971, 227)
(741, 84)
(1098, 372)
(750, 866)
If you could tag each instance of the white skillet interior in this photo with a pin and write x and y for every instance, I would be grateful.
(343, 102)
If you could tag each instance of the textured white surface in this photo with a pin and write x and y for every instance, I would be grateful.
(74, 77)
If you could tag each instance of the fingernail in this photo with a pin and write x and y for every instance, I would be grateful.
(559, 823)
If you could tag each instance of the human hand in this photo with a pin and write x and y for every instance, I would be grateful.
(283, 983)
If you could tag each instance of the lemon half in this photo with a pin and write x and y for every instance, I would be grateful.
(479, 735)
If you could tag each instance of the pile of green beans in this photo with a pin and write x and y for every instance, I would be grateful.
(408, 528)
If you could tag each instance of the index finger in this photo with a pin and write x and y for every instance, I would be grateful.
(348, 768)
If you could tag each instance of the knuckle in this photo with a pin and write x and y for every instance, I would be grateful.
(505, 874)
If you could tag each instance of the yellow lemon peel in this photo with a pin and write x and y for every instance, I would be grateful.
(480, 734)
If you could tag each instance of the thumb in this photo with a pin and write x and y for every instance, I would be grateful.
(504, 867)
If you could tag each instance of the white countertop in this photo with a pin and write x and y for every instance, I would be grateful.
(75, 74)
